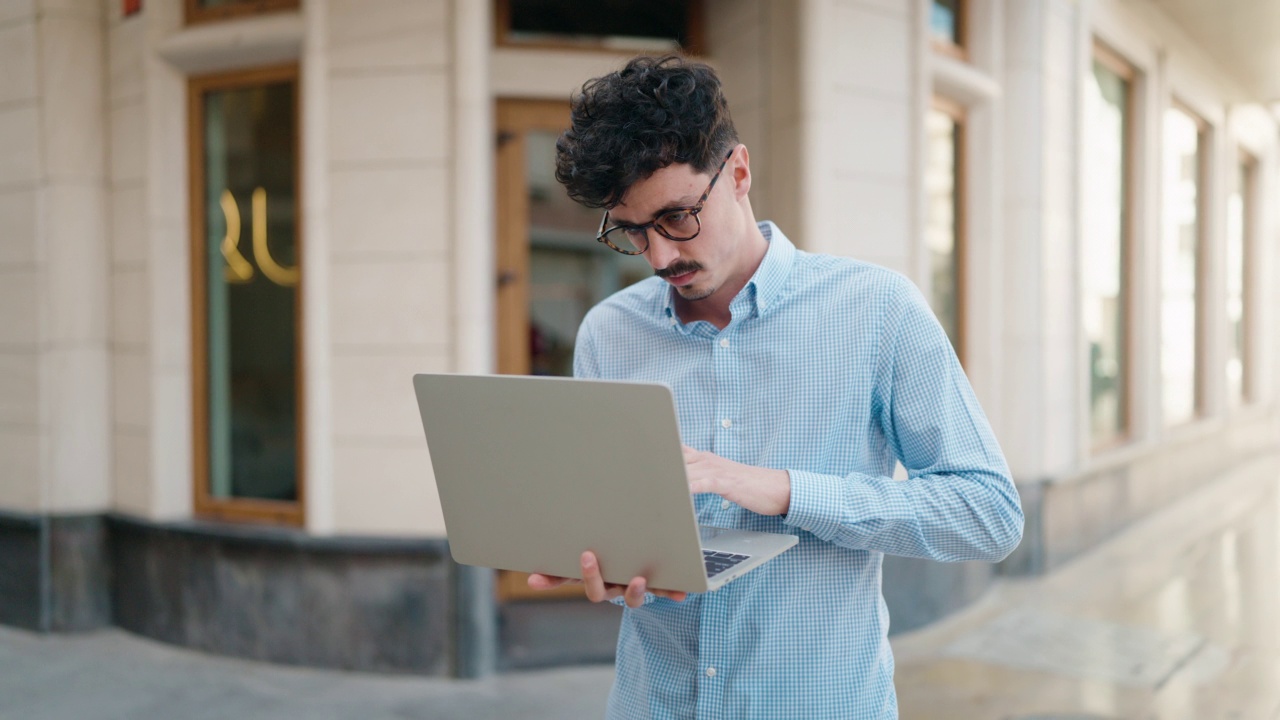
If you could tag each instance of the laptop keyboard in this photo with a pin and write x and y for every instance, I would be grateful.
(718, 562)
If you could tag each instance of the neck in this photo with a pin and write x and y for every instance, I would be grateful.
(715, 308)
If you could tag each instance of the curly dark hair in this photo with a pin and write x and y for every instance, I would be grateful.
(655, 112)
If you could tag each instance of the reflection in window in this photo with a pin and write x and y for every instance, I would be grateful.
(632, 25)
(1238, 210)
(944, 20)
(249, 265)
(1105, 269)
(207, 10)
(569, 271)
(1179, 258)
(942, 228)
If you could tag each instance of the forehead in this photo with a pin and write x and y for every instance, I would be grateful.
(671, 186)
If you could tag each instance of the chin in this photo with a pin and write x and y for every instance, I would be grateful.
(695, 293)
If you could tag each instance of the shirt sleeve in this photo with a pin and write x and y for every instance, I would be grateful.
(959, 501)
(585, 364)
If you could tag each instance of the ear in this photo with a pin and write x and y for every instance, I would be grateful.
(741, 172)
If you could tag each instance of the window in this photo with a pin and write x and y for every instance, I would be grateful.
(631, 26)
(944, 226)
(198, 11)
(1107, 167)
(1239, 240)
(246, 310)
(947, 26)
(1180, 251)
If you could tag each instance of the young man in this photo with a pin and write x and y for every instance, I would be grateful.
(799, 380)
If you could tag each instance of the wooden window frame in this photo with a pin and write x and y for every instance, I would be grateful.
(697, 25)
(958, 50)
(1130, 226)
(959, 114)
(1204, 138)
(239, 509)
(193, 14)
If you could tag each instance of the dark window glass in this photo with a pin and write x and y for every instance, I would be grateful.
(1105, 248)
(206, 10)
(942, 227)
(250, 302)
(1180, 268)
(1239, 208)
(623, 24)
(944, 20)
(569, 271)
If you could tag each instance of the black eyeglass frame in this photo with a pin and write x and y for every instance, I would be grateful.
(694, 210)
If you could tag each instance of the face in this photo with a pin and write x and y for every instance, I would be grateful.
(706, 266)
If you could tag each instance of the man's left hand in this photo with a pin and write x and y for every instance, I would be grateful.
(760, 490)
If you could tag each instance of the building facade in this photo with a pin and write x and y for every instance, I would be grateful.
(235, 229)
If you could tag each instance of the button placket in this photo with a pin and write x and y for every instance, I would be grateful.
(724, 363)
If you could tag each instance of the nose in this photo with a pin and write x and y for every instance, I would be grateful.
(662, 251)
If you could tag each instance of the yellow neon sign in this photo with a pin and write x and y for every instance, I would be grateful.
(238, 269)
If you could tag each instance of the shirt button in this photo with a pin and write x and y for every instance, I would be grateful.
(726, 423)
(711, 672)
(673, 322)
(724, 342)
(724, 504)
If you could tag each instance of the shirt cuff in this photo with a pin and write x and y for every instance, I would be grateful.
(621, 600)
(816, 502)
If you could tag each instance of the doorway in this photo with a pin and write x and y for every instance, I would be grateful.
(550, 269)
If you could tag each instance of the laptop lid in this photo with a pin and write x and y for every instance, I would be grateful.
(532, 471)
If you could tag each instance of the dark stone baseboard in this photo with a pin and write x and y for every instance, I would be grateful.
(919, 592)
(280, 595)
(548, 633)
(54, 572)
(22, 577)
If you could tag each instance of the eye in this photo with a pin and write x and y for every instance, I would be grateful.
(633, 231)
(675, 217)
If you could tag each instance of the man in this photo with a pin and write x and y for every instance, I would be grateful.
(799, 380)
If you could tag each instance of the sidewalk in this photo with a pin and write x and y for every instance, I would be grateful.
(1176, 619)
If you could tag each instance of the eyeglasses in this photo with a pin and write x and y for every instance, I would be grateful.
(679, 224)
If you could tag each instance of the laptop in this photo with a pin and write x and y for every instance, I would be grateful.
(532, 471)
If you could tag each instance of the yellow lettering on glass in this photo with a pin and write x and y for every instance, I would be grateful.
(276, 273)
(238, 269)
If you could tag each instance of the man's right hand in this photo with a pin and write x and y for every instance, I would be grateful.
(598, 590)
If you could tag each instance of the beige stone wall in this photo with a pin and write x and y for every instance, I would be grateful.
(53, 320)
(390, 252)
(21, 254)
(148, 263)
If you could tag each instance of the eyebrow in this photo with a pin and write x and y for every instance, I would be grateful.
(687, 201)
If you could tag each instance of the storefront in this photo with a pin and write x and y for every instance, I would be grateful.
(238, 227)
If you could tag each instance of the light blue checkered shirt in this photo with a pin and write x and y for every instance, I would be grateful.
(830, 369)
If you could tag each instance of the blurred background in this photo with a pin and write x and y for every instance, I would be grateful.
(232, 230)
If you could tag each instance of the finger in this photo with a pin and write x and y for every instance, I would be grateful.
(677, 595)
(538, 581)
(592, 579)
(635, 592)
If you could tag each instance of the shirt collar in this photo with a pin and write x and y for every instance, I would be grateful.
(765, 287)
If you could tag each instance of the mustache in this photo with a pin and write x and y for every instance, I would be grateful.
(678, 268)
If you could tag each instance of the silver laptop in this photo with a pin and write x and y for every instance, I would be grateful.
(532, 471)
